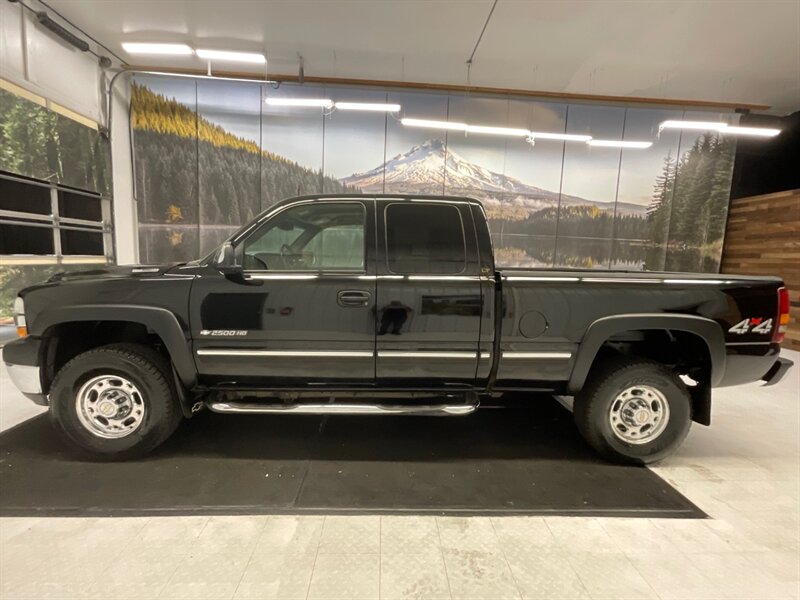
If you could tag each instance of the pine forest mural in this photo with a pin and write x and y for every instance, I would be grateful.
(40, 143)
(209, 156)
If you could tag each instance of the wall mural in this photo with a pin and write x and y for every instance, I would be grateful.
(210, 155)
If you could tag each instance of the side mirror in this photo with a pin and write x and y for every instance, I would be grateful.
(225, 263)
(225, 260)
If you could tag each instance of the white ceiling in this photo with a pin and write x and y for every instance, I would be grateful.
(734, 51)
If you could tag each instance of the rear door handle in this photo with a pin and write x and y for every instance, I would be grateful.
(353, 298)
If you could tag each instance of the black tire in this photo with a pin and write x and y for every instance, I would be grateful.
(146, 369)
(593, 405)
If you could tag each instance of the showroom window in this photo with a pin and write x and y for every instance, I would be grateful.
(44, 223)
(425, 238)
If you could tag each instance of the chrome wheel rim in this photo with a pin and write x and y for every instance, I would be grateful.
(110, 406)
(639, 414)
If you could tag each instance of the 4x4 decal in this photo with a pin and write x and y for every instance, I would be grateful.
(760, 325)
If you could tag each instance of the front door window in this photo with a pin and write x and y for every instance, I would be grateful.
(310, 237)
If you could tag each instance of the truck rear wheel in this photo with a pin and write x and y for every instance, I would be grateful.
(633, 411)
(115, 402)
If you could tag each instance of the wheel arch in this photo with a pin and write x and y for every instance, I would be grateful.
(602, 330)
(158, 320)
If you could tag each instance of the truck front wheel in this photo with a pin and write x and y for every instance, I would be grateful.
(115, 402)
(633, 411)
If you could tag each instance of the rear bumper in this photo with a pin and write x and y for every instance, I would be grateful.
(777, 371)
(21, 358)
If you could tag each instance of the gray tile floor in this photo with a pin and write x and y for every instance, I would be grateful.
(744, 472)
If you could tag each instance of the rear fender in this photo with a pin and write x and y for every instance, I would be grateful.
(603, 329)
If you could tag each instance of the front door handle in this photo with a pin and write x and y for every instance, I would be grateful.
(353, 298)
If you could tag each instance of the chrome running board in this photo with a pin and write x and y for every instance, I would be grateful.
(343, 409)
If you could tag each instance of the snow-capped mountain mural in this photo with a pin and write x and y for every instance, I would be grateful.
(432, 168)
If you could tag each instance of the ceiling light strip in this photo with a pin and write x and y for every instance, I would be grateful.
(497, 130)
(368, 106)
(721, 127)
(619, 144)
(147, 48)
(700, 125)
(567, 137)
(487, 129)
(230, 56)
(303, 102)
(449, 125)
(756, 131)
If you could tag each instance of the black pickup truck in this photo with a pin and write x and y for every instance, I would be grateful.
(386, 305)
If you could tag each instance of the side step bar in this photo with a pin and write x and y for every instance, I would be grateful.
(343, 409)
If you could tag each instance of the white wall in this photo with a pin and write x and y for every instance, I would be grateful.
(125, 217)
(37, 60)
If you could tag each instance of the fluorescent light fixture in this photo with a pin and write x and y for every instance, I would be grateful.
(376, 107)
(306, 102)
(721, 127)
(147, 48)
(497, 130)
(757, 131)
(229, 56)
(702, 125)
(619, 144)
(567, 137)
(456, 126)
(452, 125)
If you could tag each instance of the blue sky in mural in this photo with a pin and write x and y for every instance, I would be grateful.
(235, 107)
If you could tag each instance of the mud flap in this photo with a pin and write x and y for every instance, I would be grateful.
(701, 402)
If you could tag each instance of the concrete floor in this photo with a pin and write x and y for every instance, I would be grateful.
(744, 472)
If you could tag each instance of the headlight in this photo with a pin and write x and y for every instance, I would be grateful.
(19, 317)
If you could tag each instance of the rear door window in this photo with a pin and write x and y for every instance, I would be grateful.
(425, 239)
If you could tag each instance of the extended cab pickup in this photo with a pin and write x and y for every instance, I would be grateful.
(386, 305)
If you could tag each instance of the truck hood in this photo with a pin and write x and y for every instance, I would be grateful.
(113, 272)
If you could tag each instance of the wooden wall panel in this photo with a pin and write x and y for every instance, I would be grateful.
(763, 238)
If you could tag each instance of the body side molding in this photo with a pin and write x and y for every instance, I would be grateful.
(604, 328)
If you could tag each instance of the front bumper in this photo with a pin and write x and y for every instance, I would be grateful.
(777, 371)
(21, 358)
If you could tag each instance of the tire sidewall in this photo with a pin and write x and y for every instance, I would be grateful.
(677, 425)
(63, 406)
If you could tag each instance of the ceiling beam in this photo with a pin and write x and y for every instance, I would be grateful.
(562, 96)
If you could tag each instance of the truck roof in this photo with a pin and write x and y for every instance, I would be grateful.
(379, 197)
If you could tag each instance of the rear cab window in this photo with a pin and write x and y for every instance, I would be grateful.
(425, 239)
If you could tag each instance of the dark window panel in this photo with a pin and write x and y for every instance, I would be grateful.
(425, 238)
(79, 206)
(81, 242)
(24, 197)
(18, 239)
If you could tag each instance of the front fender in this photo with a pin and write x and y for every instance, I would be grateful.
(163, 322)
(603, 329)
